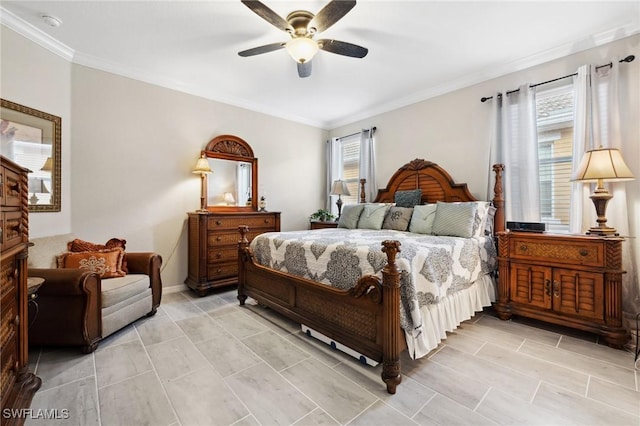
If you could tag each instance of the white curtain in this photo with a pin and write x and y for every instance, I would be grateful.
(243, 183)
(334, 171)
(515, 144)
(598, 123)
(368, 164)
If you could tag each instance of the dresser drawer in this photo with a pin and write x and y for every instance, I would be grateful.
(8, 321)
(222, 254)
(215, 272)
(11, 229)
(232, 222)
(9, 368)
(8, 277)
(567, 252)
(11, 195)
(216, 239)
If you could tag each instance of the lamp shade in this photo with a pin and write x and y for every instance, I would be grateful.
(48, 165)
(602, 163)
(339, 187)
(202, 166)
(302, 49)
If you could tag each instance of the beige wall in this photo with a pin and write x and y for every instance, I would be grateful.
(128, 155)
(34, 77)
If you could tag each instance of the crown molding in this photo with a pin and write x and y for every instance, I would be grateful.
(35, 34)
(567, 49)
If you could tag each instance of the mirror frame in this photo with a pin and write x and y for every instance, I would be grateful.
(233, 148)
(25, 115)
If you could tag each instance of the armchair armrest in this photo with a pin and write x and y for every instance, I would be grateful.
(67, 281)
(147, 263)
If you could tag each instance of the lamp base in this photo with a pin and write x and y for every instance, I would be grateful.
(603, 231)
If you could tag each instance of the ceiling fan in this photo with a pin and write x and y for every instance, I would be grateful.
(302, 26)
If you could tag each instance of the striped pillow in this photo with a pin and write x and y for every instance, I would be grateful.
(372, 216)
(455, 219)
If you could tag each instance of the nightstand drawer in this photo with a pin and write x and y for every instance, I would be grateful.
(228, 238)
(221, 271)
(566, 252)
(222, 254)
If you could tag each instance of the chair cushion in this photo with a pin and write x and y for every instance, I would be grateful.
(115, 290)
(45, 250)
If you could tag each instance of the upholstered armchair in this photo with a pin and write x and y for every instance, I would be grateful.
(76, 307)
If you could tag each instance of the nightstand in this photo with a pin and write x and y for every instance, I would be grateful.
(317, 224)
(569, 280)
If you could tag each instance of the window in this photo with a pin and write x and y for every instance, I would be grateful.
(554, 112)
(350, 168)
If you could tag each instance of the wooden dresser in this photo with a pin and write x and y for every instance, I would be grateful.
(570, 280)
(213, 245)
(18, 385)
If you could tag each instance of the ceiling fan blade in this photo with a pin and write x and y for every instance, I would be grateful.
(330, 14)
(343, 48)
(262, 49)
(267, 14)
(304, 70)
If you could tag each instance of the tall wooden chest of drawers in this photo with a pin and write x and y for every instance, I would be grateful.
(570, 280)
(213, 245)
(18, 385)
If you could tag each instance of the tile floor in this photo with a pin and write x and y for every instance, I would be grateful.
(207, 361)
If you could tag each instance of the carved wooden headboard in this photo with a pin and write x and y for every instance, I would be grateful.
(437, 185)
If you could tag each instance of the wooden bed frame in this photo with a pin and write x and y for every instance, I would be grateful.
(366, 317)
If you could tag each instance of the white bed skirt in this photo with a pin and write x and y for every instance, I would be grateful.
(449, 313)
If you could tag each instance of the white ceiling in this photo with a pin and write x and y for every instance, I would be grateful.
(417, 49)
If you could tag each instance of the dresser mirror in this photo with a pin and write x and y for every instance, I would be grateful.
(233, 183)
(32, 139)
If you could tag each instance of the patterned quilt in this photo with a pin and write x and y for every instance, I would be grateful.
(432, 267)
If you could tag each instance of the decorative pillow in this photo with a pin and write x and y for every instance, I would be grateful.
(372, 216)
(79, 245)
(350, 215)
(397, 218)
(408, 198)
(480, 220)
(422, 219)
(455, 219)
(106, 263)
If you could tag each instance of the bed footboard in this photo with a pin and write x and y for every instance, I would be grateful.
(365, 318)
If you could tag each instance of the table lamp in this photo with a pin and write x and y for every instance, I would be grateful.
(339, 188)
(600, 165)
(202, 167)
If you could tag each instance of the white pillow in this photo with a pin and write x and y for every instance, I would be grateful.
(422, 219)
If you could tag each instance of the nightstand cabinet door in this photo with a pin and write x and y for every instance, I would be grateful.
(531, 284)
(570, 280)
(579, 293)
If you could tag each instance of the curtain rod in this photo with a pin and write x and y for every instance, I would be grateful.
(373, 129)
(629, 58)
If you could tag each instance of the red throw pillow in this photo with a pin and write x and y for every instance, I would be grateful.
(106, 263)
(79, 245)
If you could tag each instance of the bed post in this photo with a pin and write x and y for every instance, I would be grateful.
(498, 200)
(391, 317)
(243, 246)
(363, 194)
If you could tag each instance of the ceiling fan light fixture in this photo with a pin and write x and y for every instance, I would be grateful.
(302, 49)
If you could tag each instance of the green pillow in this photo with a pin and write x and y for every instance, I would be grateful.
(372, 216)
(422, 219)
(455, 219)
(350, 215)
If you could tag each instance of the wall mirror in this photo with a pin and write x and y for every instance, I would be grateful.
(233, 184)
(32, 139)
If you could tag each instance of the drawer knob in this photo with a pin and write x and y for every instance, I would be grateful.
(523, 247)
(218, 238)
(219, 271)
(584, 252)
(16, 321)
(218, 222)
(218, 255)
(266, 221)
